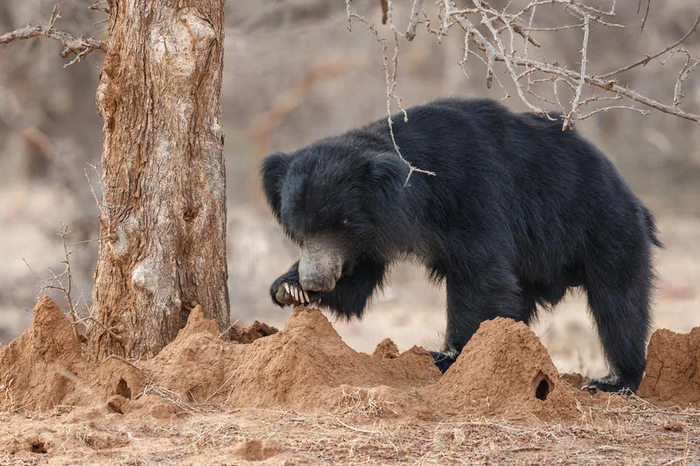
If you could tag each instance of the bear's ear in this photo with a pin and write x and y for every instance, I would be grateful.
(389, 171)
(273, 170)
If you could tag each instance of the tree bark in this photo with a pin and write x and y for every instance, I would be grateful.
(163, 221)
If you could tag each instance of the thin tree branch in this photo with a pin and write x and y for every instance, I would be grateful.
(646, 14)
(493, 52)
(480, 17)
(689, 66)
(656, 55)
(414, 19)
(390, 75)
(80, 46)
(584, 62)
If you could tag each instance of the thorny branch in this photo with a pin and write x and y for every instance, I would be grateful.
(690, 65)
(503, 36)
(576, 103)
(79, 46)
(414, 19)
(390, 75)
(646, 60)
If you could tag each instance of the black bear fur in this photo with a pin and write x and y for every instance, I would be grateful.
(518, 212)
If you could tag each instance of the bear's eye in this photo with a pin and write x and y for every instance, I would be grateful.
(345, 222)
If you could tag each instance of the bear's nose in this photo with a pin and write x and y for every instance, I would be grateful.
(321, 263)
(318, 284)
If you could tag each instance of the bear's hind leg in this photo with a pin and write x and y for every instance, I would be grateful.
(619, 301)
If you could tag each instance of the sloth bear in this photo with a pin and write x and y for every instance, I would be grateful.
(517, 212)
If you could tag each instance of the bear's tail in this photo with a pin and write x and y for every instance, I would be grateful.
(651, 228)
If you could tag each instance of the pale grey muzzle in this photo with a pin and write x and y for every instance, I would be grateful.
(320, 265)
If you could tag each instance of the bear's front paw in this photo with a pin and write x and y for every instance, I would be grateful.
(288, 293)
(443, 361)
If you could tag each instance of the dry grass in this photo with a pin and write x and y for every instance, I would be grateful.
(612, 430)
(364, 402)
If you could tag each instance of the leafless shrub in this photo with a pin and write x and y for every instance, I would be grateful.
(63, 282)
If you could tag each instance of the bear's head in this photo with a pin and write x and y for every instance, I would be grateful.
(339, 203)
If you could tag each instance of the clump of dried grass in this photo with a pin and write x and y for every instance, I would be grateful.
(365, 402)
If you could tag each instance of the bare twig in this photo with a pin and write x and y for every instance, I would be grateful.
(390, 75)
(348, 14)
(79, 46)
(385, 10)
(646, 14)
(100, 324)
(228, 329)
(656, 55)
(63, 281)
(509, 29)
(465, 57)
(98, 6)
(690, 65)
(63, 234)
(414, 19)
(584, 62)
(356, 429)
(497, 49)
(491, 50)
(92, 190)
(613, 107)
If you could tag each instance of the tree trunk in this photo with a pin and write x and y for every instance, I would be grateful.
(163, 222)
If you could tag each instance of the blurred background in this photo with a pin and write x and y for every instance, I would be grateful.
(294, 73)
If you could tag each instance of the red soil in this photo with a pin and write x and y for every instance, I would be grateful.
(503, 370)
(673, 368)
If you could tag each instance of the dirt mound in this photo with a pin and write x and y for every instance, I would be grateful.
(504, 369)
(197, 363)
(673, 368)
(304, 364)
(251, 333)
(44, 368)
(386, 349)
(307, 365)
(38, 369)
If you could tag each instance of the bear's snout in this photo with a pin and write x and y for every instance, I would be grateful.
(320, 265)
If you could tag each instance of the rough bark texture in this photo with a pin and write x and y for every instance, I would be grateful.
(163, 219)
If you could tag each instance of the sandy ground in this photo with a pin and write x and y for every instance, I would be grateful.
(301, 396)
(631, 434)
